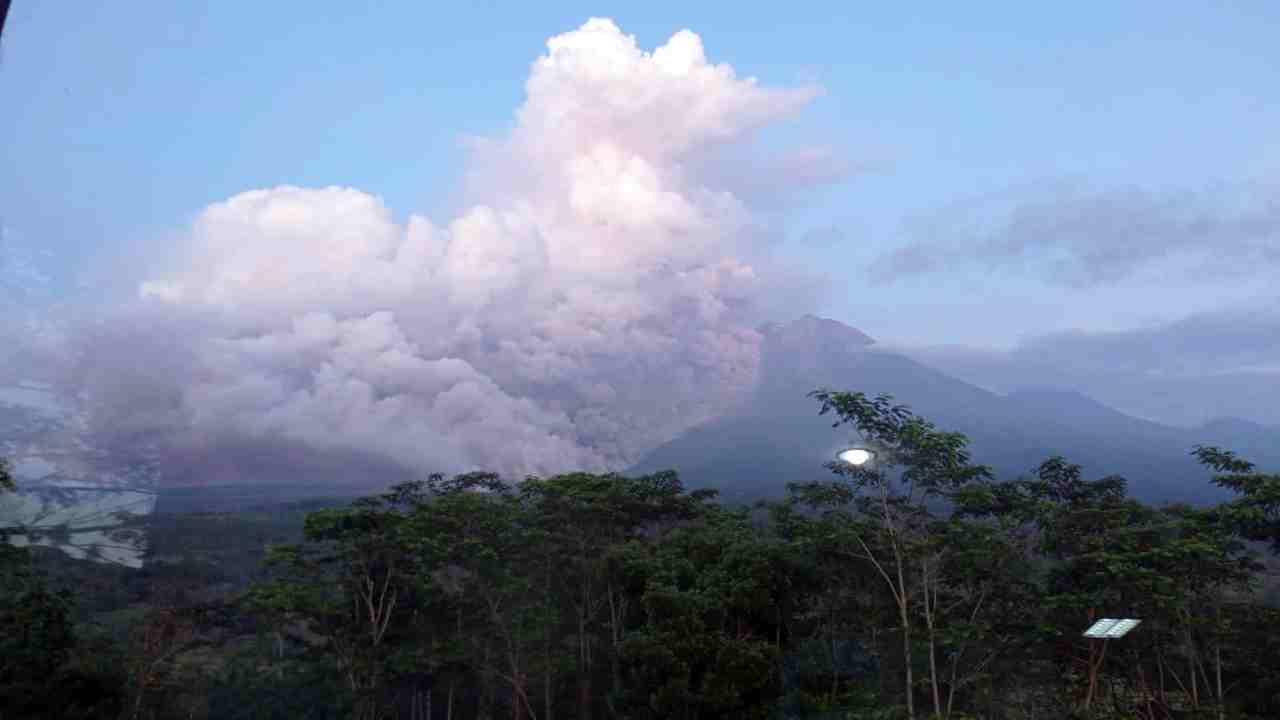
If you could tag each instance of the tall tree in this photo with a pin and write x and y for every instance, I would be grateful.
(478, 544)
(580, 517)
(352, 578)
(894, 509)
(706, 647)
(979, 592)
(1256, 510)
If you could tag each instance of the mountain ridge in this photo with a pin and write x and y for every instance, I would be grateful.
(777, 436)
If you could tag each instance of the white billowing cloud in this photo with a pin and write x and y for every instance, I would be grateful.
(595, 300)
(595, 85)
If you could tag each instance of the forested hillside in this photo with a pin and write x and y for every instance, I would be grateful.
(603, 596)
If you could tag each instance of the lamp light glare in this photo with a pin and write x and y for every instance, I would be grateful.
(856, 456)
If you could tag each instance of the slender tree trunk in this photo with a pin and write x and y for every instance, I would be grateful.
(1164, 694)
(547, 641)
(584, 669)
(1217, 667)
(518, 700)
(951, 685)
(520, 707)
(1146, 692)
(831, 637)
(933, 681)
(928, 618)
(777, 641)
(875, 645)
(1204, 675)
(1096, 658)
(547, 698)
(137, 705)
(616, 612)
(584, 643)
(906, 659)
(489, 691)
(904, 598)
(1191, 665)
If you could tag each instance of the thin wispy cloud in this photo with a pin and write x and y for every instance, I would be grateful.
(1226, 340)
(1080, 236)
(1218, 363)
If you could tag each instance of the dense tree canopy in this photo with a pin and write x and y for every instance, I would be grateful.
(915, 586)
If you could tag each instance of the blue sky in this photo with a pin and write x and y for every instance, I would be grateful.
(124, 120)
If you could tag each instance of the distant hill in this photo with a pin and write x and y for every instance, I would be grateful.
(776, 436)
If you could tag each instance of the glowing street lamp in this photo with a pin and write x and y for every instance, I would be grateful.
(866, 453)
(1111, 628)
(856, 456)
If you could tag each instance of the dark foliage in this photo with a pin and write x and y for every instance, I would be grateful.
(917, 586)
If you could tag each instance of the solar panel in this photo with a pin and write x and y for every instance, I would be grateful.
(1100, 628)
(1111, 628)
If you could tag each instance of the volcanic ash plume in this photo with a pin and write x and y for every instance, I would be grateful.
(597, 298)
